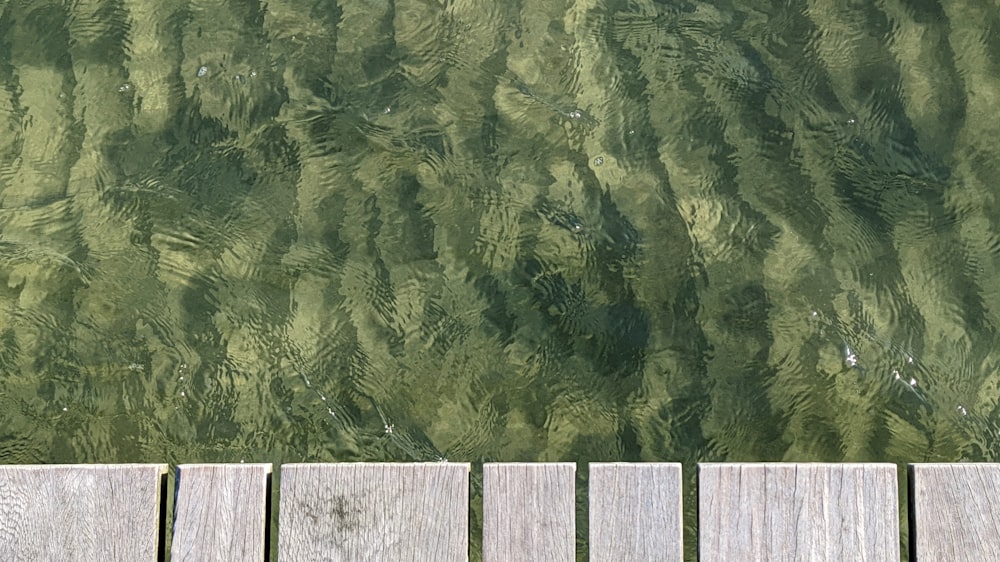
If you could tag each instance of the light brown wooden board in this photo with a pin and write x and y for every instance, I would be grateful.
(635, 512)
(529, 512)
(365, 512)
(955, 511)
(220, 512)
(80, 512)
(792, 511)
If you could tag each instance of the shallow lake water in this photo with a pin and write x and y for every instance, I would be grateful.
(499, 231)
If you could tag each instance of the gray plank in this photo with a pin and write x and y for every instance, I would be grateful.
(795, 511)
(220, 512)
(529, 512)
(80, 512)
(365, 512)
(956, 511)
(635, 512)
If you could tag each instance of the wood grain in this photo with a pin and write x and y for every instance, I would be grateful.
(635, 512)
(798, 512)
(220, 512)
(366, 512)
(955, 511)
(80, 512)
(529, 512)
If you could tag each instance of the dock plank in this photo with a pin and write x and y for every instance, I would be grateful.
(529, 512)
(635, 512)
(955, 511)
(220, 512)
(793, 511)
(366, 512)
(81, 512)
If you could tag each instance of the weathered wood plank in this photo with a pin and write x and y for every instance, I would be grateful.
(220, 512)
(955, 511)
(81, 512)
(355, 511)
(529, 512)
(798, 512)
(635, 512)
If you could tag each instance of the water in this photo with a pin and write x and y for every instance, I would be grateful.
(483, 231)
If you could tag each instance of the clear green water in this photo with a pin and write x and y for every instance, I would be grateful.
(371, 230)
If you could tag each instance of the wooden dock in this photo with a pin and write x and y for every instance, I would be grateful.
(420, 512)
